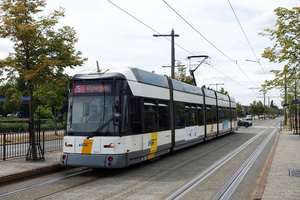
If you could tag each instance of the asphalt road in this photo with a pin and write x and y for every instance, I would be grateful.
(160, 178)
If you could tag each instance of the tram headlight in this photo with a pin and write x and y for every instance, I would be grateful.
(68, 144)
(111, 145)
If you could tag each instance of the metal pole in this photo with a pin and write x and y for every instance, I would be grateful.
(264, 106)
(285, 100)
(296, 125)
(43, 150)
(173, 55)
(172, 51)
(4, 146)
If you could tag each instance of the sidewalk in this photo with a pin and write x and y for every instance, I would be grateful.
(279, 184)
(18, 168)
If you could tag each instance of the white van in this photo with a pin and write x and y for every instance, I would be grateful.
(249, 117)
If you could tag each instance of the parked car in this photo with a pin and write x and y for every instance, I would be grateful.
(10, 115)
(244, 123)
(14, 114)
(17, 114)
(272, 117)
(249, 117)
(255, 117)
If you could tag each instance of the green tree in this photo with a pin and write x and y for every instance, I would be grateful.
(204, 86)
(239, 110)
(40, 52)
(286, 36)
(13, 100)
(51, 95)
(4, 87)
(222, 91)
(260, 108)
(180, 75)
(256, 108)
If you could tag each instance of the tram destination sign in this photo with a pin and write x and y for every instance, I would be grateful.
(92, 88)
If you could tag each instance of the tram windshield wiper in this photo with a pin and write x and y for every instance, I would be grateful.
(99, 130)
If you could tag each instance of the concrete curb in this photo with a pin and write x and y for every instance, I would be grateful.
(32, 172)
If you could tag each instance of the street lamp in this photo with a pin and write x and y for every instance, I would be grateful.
(172, 51)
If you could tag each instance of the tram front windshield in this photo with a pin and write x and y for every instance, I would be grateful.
(93, 108)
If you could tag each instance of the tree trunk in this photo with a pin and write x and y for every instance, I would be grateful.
(31, 123)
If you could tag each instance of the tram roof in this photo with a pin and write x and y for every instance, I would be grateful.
(132, 74)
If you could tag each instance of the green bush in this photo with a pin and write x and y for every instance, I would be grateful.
(24, 127)
(14, 127)
(45, 113)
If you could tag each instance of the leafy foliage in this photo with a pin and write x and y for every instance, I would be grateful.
(41, 53)
(45, 113)
(180, 75)
(286, 36)
(256, 108)
(13, 100)
(239, 109)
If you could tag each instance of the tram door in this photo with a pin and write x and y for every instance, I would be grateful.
(150, 135)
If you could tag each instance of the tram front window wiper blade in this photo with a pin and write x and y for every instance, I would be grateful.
(99, 130)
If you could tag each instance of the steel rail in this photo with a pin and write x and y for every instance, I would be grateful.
(44, 183)
(198, 179)
(235, 180)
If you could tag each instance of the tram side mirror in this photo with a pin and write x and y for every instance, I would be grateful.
(65, 106)
(117, 119)
(117, 105)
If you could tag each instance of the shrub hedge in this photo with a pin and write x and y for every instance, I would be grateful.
(19, 127)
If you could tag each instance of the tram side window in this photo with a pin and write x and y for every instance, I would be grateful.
(190, 114)
(214, 114)
(180, 118)
(211, 114)
(223, 117)
(233, 114)
(135, 115)
(228, 114)
(150, 116)
(208, 115)
(200, 115)
(163, 115)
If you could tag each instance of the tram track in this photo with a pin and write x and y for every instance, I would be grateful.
(235, 180)
(229, 187)
(44, 183)
(137, 186)
(68, 188)
(92, 179)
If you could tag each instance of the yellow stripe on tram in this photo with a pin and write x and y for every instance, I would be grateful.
(153, 148)
(212, 131)
(87, 146)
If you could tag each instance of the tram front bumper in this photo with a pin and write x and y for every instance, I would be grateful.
(93, 160)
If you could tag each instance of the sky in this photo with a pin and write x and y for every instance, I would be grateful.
(118, 39)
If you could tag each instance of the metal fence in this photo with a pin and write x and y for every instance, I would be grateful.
(17, 144)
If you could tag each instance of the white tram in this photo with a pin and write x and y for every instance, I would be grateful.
(120, 117)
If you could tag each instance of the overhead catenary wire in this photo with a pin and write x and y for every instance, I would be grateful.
(209, 41)
(247, 38)
(170, 41)
(146, 25)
